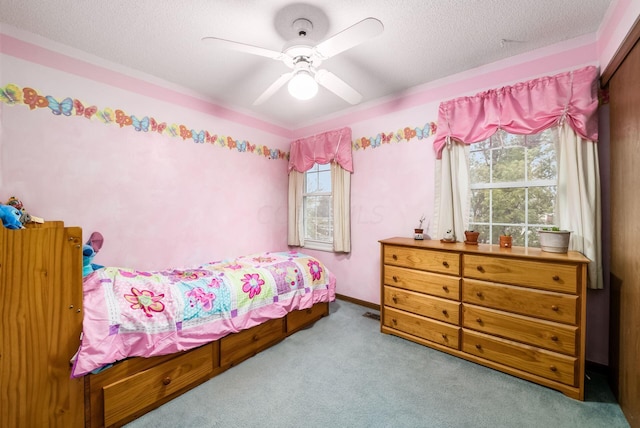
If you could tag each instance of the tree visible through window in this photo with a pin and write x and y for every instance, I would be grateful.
(513, 186)
(317, 205)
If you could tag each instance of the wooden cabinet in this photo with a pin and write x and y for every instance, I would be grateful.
(41, 320)
(517, 310)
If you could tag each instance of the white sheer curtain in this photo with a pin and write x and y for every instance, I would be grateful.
(452, 190)
(341, 184)
(578, 203)
(295, 232)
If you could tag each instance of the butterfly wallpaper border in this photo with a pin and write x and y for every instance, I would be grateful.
(12, 94)
(402, 134)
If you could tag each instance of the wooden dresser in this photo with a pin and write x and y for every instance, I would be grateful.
(517, 310)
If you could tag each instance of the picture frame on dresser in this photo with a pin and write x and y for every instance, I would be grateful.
(517, 310)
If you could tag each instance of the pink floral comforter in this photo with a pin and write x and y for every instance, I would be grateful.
(134, 313)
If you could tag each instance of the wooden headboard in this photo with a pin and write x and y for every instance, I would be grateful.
(41, 321)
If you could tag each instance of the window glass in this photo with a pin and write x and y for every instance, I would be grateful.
(513, 186)
(317, 206)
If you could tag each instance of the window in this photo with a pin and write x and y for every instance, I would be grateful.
(317, 200)
(513, 182)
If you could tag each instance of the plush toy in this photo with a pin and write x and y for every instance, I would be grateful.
(89, 251)
(10, 217)
(25, 217)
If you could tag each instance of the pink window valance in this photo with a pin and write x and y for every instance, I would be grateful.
(322, 149)
(525, 108)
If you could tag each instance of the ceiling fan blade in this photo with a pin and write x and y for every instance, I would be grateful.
(338, 86)
(242, 47)
(350, 37)
(273, 88)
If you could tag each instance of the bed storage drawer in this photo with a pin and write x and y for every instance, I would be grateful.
(299, 319)
(242, 345)
(133, 394)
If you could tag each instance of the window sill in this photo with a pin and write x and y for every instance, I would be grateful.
(320, 246)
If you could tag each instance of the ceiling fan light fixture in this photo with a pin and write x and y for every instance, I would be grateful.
(303, 86)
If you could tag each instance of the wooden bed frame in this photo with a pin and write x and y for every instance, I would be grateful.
(41, 318)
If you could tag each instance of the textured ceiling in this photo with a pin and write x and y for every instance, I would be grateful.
(423, 40)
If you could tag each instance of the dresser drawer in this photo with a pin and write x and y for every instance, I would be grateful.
(546, 334)
(417, 258)
(124, 398)
(425, 328)
(239, 346)
(539, 304)
(421, 304)
(533, 360)
(543, 275)
(423, 282)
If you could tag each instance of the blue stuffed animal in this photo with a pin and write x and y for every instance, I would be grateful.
(89, 251)
(10, 217)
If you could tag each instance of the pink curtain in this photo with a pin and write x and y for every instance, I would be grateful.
(322, 149)
(524, 108)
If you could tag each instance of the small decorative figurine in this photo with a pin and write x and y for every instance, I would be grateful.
(449, 236)
(419, 231)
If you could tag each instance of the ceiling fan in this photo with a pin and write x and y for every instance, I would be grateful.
(304, 57)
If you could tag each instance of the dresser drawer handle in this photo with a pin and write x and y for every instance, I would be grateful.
(444, 311)
(166, 381)
(554, 308)
(479, 320)
(480, 268)
(394, 321)
(554, 338)
(395, 299)
(444, 336)
(479, 294)
(394, 257)
(395, 278)
(478, 346)
(255, 338)
(445, 288)
(556, 278)
(445, 264)
(553, 368)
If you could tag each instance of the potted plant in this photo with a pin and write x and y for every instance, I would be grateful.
(418, 232)
(554, 240)
(471, 237)
(505, 240)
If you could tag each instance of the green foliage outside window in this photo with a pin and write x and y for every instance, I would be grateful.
(513, 186)
(317, 203)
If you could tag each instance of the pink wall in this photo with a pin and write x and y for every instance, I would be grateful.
(159, 201)
(618, 22)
